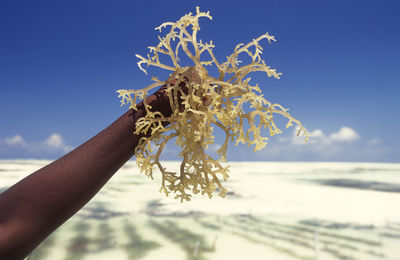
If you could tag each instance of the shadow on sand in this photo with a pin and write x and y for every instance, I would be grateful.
(357, 184)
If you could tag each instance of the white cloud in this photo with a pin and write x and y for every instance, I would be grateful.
(374, 142)
(55, 140)
(16, 145)
(341, 145)
(345, 134)
(318, 138)
(317, 133)
(15, 140)
(214, 147)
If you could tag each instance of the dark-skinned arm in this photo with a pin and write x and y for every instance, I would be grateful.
(37, 205)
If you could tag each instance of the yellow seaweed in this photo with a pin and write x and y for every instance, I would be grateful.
(208, 102)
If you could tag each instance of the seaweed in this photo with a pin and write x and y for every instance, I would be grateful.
(200, 103)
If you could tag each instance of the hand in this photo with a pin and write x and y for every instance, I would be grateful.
(188, 75)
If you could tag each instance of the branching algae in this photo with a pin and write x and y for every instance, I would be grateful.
(203, 104)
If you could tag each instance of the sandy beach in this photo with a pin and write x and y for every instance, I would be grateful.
(273, 210)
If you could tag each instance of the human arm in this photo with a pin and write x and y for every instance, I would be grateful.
(37, 205)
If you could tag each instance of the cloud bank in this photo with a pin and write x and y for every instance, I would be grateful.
(345, 144)
(16, 147)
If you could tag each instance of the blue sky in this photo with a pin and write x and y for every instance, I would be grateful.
(62, 61)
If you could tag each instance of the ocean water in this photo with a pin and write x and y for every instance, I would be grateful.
(274, 210)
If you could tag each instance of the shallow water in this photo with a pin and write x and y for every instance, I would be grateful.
(273, 211)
